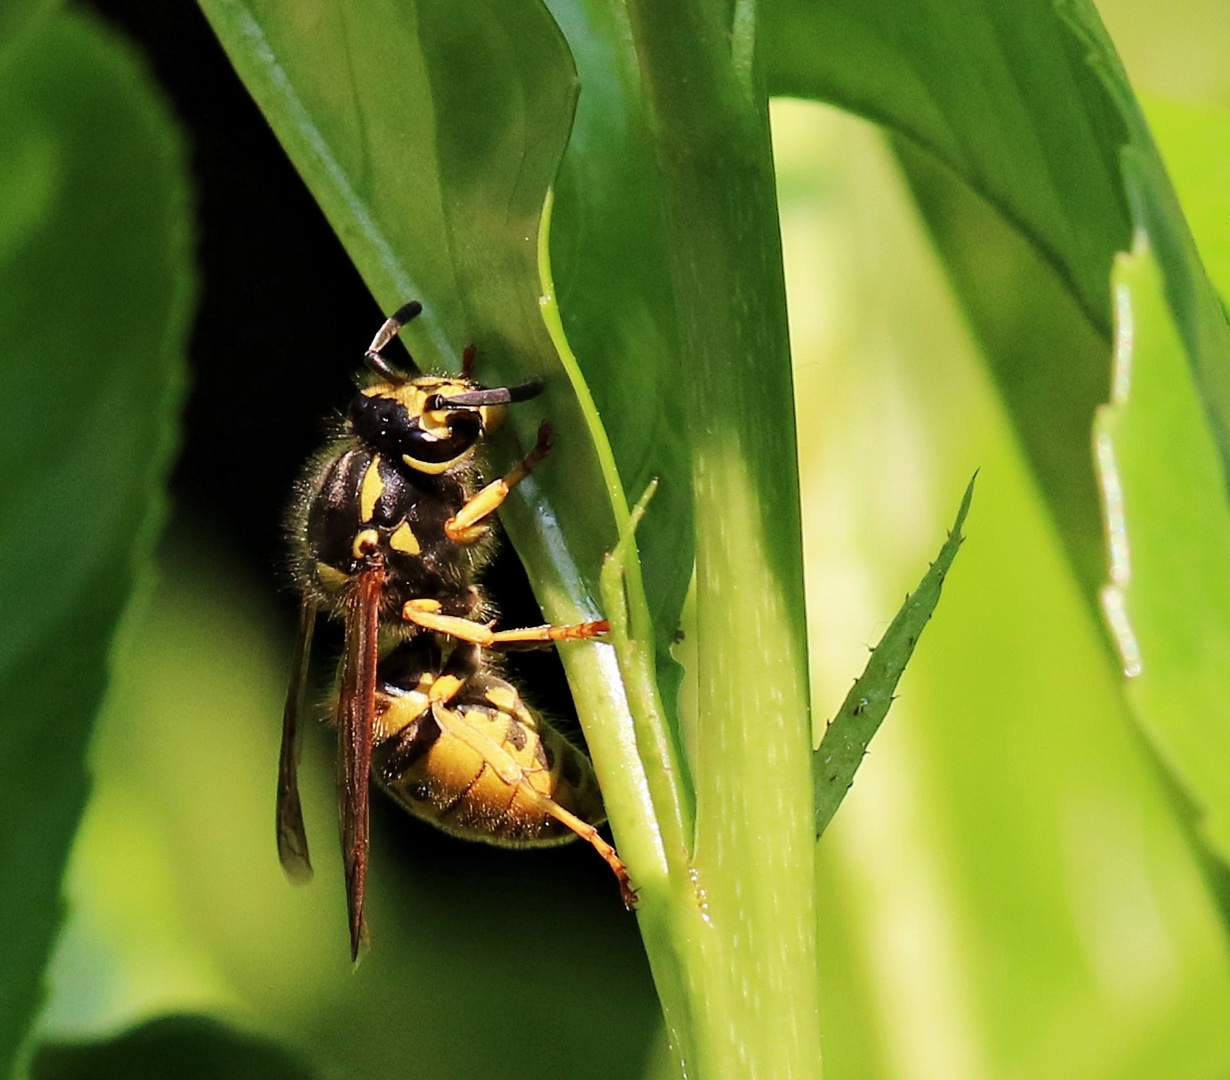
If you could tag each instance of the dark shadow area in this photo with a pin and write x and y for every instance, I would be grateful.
(184, 1047)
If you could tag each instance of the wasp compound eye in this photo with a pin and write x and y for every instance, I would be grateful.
(383, 422)
(387, 425)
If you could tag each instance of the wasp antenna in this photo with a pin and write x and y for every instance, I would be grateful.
(387, 333)
(500, 395)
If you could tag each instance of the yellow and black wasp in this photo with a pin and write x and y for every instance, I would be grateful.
(389, 529)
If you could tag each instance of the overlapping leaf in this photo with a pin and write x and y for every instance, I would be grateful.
(94, 302)
(1031, 160)
(1168, 598)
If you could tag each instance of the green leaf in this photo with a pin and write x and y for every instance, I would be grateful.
(1047, 358)
(849, 734)
(20, 19)
(1007, 892)
(1195, 143)
(997, 90)
(1195, 308)
(189, 1047)
(1011, 143)
(94, 304)
(1034, 130)
(609, 248)
(1168, 597)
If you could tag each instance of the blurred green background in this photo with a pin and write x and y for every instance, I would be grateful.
(1005, 894)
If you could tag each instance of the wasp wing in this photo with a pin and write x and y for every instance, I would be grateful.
(356, 711)
(292, 837)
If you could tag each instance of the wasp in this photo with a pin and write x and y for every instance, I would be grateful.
(390, 529)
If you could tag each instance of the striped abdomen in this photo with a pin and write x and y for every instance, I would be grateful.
(483, 766)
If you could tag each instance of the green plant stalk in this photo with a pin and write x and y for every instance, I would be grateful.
(648, 802)
(750, 959)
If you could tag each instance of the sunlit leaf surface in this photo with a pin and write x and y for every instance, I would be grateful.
(1011, 144)
(1168, 597)
(1005, 891)
(1195, 142)
(999, 91)
(93, 306)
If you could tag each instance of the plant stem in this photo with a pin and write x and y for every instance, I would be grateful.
(746, 927)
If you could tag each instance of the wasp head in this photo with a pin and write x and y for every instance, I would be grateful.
(432, 423)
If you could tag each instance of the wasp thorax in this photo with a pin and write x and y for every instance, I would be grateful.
(395, 422)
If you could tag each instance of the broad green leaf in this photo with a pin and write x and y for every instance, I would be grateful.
(1195, 143)
(94, 303)
(609, 260)
(1005, 891)
(1047, 358)
(1168, 595)
(1195, 308)
(20, 19)
(1000, 92)
(187, 1047)
(849, 734)
(1018, 118)
(1011, 144)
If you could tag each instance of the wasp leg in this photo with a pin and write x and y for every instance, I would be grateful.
(502, 764)
(464, 663)
(468, 525)
(426, 613)
(586, 831)
(468, 356)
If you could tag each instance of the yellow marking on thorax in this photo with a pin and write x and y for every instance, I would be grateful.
(365, 541)
(370, 490)
(404, 540)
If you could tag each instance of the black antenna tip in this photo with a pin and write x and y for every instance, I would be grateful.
(531, 388)
(407, 312)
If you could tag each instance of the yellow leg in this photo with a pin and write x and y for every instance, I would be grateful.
(426, 613)
(444, 689)
(586, 831)
(469, 526)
